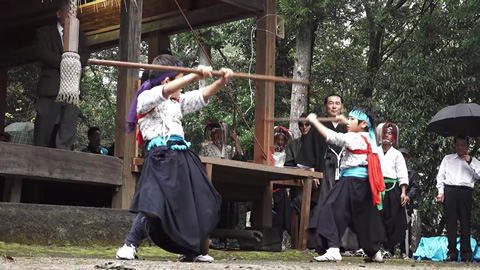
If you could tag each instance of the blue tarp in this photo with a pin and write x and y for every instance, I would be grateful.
(436, 249)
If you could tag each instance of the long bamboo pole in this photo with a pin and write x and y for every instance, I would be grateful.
(302, 119)
(191, 70)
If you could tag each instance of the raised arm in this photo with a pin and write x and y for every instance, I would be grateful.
(475, 165)
(211, 89)
(323, 130)
(176, 85)
(238, 147)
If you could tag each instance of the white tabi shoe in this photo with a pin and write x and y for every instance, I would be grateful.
(199, 258)
(203, 258)
(375, 258)
(126, 252)
(332, 255)
(360, 253)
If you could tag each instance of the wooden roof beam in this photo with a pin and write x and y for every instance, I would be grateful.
(250, 5)
(170, 25)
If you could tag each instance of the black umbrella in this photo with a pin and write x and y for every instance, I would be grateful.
(460, 119)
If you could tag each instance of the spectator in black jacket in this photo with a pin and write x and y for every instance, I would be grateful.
(56, 122)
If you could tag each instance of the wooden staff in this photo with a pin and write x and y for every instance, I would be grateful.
(191, 70)
(302, 119)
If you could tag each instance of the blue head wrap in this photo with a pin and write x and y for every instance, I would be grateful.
(363, 117)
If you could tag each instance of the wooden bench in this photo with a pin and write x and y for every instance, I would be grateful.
(19, 161)
(244, 181)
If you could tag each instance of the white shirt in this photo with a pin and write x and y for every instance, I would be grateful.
(279, 158)
(455, 171)
(166, 119)
(393, 165)
(60, 31)
(352, 141)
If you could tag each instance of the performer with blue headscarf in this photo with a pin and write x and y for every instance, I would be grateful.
(177, 205)
(352, 201)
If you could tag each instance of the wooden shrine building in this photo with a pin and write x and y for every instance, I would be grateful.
(125, 23)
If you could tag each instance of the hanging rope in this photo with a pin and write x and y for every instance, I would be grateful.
(70, 66)
(236, 107)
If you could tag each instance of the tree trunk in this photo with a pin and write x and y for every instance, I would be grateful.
(303, 64)
(374, 62)
(374, 46)
(203, 60)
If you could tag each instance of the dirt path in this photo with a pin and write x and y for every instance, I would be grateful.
(57, 263)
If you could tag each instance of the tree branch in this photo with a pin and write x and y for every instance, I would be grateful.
(409, 33)
(400, 4)
(223, 57)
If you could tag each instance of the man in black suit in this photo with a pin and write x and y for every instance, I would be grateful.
(56, 122)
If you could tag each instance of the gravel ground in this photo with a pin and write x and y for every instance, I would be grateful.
(57, 263)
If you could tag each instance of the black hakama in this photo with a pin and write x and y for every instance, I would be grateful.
(175, 188)
(394, 217)
(348, 204)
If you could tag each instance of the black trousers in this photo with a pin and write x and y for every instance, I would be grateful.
(283, 211)
(394, 217)
(348, 204)
(457, 204)
(55, 124)
(175, 188)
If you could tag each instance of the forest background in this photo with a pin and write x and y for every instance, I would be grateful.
(405, 59)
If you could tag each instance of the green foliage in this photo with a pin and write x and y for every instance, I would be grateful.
(98, 99)
(21, 89)
(436, 67)
(296, 12)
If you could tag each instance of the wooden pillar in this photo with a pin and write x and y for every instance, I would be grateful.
(305, 214)
(130, 34)
(265, 91)
(158, 43)
(264, 107)
(209, 170)
(3, 97)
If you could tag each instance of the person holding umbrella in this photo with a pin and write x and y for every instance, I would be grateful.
(455, 181)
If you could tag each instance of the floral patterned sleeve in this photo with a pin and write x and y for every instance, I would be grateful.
(150, 99)
(192, 101)
(208, 150)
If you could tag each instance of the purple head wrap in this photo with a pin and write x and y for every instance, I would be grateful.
(147, 85)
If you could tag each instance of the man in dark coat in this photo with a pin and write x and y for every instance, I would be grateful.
(316, 154)
(56, 122)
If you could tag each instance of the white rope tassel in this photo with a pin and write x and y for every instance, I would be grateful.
(70, 71)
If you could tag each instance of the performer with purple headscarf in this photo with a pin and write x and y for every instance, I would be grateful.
(177, 205)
